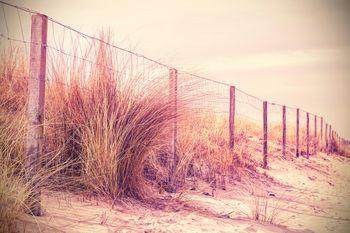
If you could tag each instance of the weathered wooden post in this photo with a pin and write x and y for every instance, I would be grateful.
(315, 135)
(173, 156)
(336, 138)
(36, 105)
(284, 131)
(321, 132)
(265, 133)
(297, 135)
(330, 139)
(326, 137)
(307, 136)
(232, 117)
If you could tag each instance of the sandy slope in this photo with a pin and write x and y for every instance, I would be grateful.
(302, 195)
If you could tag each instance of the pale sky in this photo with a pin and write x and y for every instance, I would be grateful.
(293, 52)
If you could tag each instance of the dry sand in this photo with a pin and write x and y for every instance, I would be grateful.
(302, 195)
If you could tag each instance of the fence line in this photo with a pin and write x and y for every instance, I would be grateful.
(207, 95)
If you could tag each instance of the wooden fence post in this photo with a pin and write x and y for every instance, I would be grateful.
(307, 135)
(321, 132)
(232, 117)
(315, 135)
(265, 133)
(297, 135)
(326, 137)
(173, 156)
(330, 139)
(284, 131)
(36, 105)
(336, 137)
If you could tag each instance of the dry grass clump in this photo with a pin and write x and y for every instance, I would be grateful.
(109, 125)
(114, 137)
(338, 148)
(203, 147)
(16, 190)
(275, 133)
(248, 142)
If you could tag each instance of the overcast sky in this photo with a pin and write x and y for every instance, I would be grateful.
(291, 52)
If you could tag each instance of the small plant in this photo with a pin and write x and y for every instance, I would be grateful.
(103, 218)
(264, 206)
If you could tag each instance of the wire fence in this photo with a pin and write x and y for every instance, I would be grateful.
(75, 58)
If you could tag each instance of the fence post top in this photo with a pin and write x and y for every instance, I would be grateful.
(40, 15)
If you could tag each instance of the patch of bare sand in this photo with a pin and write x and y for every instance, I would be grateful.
(302, 196)
(319, 186)
(68, 213)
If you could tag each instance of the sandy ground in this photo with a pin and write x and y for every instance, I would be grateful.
(299, 195)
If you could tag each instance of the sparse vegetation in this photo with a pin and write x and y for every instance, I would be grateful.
(265, 207)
